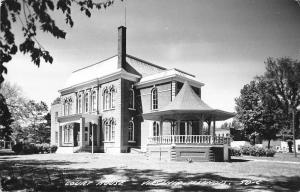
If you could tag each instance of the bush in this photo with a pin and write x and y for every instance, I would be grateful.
(245, 150)
(270, 152)
(234, 151)
(53, 148)
(32, 148)
(257, 151)
(17, 148)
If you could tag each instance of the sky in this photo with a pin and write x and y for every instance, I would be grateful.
(223, 42)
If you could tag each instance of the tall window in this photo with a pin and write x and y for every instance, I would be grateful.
(155, 129)
(86, 102)
(131, 99)
(68, 134)
(56, 116)
(109, 130)
(112, 129)
(56, 137)
(154, 99)
(112, 99)
(105, 99)
(94, 101)
(131, 131)
(70, 106)
(80, 104)
(66, 107)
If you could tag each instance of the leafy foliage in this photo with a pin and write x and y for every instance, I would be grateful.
(30, 119)
(257, 151)
(30, 148)
(258, 111)
(5, 120)
(35, 15)
(266, 103)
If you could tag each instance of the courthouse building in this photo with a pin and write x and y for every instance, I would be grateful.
(125, 103)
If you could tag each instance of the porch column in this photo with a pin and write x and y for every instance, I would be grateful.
(209, 125)
(59, 136)
(92, 126)
(81, 129)
(161, 127)
(98, 132)
(214, 128)
(178, 127)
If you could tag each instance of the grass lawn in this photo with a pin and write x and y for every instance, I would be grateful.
(286, 157)
(134, 172)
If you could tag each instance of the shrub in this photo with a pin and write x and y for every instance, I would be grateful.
(270, 152)
(245, 150)
(17, 148)
(257, 151)
(32, 148)
(234, 151)
(53, 148)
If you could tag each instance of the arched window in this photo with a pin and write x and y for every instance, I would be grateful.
(94, 101)
(109, 127)
(155, 129)
(68, 134)
(131, 131)
(86, 102)
(70, 106)
(80, 104)
(66, 107)
(106, 98)
(131, 99)
(112, 130)
(112, 97)
(154, 99)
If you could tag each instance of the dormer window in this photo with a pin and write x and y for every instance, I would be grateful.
(154, 99)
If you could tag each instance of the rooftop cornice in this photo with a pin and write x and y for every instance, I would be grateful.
(120, 73)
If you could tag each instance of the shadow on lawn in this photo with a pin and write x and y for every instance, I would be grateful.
(44, 176)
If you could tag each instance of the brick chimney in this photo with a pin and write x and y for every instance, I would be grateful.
(121, 46)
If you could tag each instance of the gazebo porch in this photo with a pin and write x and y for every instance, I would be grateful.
(188, 140)
(186, 137)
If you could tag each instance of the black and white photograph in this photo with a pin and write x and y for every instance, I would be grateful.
(149, 95)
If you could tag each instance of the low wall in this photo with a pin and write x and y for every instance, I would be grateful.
(187, 152)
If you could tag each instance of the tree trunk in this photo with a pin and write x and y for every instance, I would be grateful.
(269, 141)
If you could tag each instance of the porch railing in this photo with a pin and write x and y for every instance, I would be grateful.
(189, 139)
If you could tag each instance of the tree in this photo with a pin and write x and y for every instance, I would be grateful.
(35, 15)
(284, 76)
(237, 132)
(36, 121)
(258, 111)
(30, 119)
(5, 120)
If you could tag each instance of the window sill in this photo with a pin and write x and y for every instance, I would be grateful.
(104, 110)
(108, 141)
(131, 141)
(132, 109)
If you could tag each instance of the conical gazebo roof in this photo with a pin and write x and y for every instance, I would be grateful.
(187, 105)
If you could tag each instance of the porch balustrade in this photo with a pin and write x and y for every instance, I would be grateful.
(189, 139)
